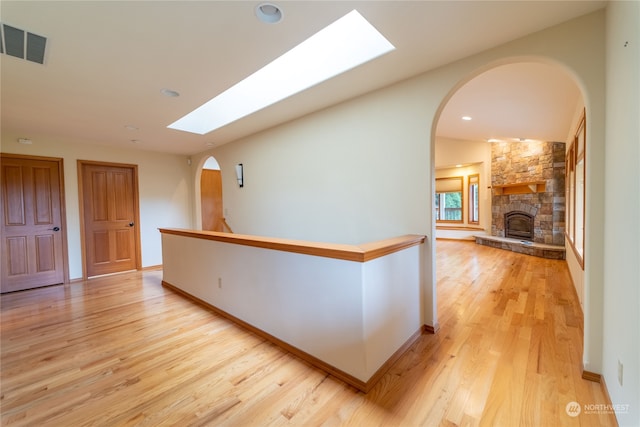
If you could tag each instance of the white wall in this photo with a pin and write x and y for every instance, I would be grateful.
(351, 174)
(164, 188)
(354, 173)
(622, 226)
(287, 304)
(391, 290)
(351, 315)
(363, 170)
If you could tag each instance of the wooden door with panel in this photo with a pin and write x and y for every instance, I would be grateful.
(31, 214)
(109, 199)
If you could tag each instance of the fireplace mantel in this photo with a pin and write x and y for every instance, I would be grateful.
(520, 188)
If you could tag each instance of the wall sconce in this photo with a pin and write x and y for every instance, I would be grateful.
(240, 174)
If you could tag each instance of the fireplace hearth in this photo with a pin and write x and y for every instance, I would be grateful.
(519, 225)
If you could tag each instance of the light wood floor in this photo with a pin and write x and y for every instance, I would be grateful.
(121, 350)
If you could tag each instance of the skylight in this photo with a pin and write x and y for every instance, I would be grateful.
(345, 44)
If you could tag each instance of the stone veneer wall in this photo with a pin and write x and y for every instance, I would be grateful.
(521, 162)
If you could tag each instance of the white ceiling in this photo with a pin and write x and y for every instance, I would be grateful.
(522, 100)
(107, 61)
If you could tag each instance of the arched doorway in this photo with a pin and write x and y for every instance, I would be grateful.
(500, 104)
(211, 196)
(521, 106)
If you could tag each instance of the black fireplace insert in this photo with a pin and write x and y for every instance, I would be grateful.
(519, 225)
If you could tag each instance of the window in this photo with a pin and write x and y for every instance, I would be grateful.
(345, 44)
(474, 200)
(449, 199)
(575, 191)
(570, 191)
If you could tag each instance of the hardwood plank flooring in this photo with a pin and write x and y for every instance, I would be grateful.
(124, 351)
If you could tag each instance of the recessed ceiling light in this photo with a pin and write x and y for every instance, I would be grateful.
(269, 13)
(131, 127)
(345, 44)
(25, 141)
(170, 93)
(466, 118)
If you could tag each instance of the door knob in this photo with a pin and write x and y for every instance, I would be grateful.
(131, 224)
(56, 228)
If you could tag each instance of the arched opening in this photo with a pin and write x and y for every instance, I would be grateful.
(517, 108)
(211, 196)
(493, 126)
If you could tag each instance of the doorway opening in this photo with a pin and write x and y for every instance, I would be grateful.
(507, 118)
(211, 197)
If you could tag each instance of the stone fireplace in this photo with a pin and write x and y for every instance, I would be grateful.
(528, 196)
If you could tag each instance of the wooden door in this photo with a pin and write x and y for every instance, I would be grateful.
(211, 200)
(31, 212)
(109, 199)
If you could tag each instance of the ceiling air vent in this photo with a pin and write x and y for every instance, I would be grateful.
(22, 44)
